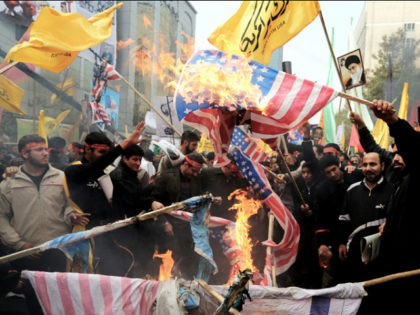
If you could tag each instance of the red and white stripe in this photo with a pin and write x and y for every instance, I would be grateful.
(290, 102)
(283, 253)
(99, 85)
(98, 113)
(218, 126)
(79, 294)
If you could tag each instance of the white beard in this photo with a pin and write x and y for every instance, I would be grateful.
(357, 76)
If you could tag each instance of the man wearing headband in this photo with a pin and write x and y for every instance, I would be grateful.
(33, 210)
(173, 185)
(86, 192)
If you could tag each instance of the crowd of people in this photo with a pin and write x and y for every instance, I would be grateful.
(52, 188)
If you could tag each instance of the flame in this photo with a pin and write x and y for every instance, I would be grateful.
(146, 21)
(122, 44)
(165, 269)
(245, 207)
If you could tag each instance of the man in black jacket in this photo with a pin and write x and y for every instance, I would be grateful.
(128, 200)
(87, 194)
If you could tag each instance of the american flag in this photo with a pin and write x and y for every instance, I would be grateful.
(283, 253)
(276, 101)
(74, 293)
(99, 114)
(248, 145)
(101, 74)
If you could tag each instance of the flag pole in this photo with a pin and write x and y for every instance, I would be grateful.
(98, 230)
(334, 60)
(7, 67)
(142, 97)
(150, 105)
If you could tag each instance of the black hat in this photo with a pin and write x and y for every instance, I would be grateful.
(351, 59)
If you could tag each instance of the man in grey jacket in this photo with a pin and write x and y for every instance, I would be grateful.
(33, 207)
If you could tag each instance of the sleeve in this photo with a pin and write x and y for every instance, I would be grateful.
(8, 234)
(322, 228)
(369, 145)
(79, 172)
(343, 230)
(408, 143)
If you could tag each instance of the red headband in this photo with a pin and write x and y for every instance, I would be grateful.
(331, 150)
(76, 149)
(97, 146)
(193, 163)
(32, 145)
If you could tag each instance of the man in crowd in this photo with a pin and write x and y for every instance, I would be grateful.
(57, 152)
(135, 254)
(327, 203)
(33, 210)
(87, 193)
(221, 182)
(173, 185)
(189, 143)
(363, 212)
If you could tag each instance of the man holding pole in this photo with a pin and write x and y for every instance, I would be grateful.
(87, 186)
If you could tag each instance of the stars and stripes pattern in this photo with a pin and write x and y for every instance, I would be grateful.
(283, 253)
(248, 145)
(99, 114)
(75, 293)
(285, 101)
(102, 73)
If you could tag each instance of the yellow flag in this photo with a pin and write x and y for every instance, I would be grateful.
(41, 125)
(56, 38)
(205, 144)
(10, 95)
(50, 124)
(260, 27)
(381, 134)
(402, 112)
(66, 87)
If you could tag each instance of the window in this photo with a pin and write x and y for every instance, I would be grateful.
(409, 27)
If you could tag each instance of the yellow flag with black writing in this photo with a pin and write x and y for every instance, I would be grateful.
(380, 133)
(56, 38)
(51, 123)
(10, 95)
(260, 27)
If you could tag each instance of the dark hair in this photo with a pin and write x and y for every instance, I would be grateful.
(333, 145)
(328, 160)
(196, 157)
(132, 150)
(210, 156)
(96, 137)
(56, 143)
(28, 139)
(77, 145)
(148, 155)
(351, 59)
(319, 148)
(189, 136)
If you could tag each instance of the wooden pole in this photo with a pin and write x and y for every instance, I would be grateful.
(150, 105)
(98, 230)
(142, 97)
(269, 248)
(216, 295)
(343, 88)
(9, 66)
(392, 277)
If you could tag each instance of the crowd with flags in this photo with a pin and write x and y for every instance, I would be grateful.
(83, 225)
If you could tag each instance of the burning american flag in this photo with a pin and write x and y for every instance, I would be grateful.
(217, 91)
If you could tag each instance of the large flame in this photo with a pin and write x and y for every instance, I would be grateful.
(245, 207)
(165, 269)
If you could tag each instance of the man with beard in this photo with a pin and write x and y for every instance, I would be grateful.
(173, 185)
(364, 211)
(357, 75)
(395, 168)
(189, 143)
(33, 210)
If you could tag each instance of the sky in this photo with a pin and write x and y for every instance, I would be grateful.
(308, 51)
